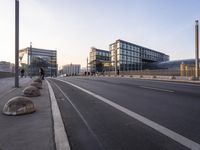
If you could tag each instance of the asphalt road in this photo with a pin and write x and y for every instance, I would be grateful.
(97, 117)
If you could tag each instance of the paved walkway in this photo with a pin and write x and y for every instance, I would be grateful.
(26, 132)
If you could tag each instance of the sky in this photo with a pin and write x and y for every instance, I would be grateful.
(72, 27)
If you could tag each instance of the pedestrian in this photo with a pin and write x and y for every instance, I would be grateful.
(22, 73)
(117, 71)
(41, 71)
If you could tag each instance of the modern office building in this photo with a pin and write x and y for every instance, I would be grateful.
(128, 56)
(31, 59)
(71, 69)
(99, 60)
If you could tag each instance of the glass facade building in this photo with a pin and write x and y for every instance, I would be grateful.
(99, 60)
(31, 59)
(127, 56)
(175, 64)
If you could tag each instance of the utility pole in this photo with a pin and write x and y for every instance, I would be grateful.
(51, 66)
(16, 43)
(87, 67)
(115, 49)
(31, 64)
(197, 50)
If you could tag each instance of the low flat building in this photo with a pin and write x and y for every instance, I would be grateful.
(31, 59)
(6, 66)
(127, 56)
(99, 60)
(71, 69)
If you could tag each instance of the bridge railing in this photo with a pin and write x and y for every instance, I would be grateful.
(159, 72)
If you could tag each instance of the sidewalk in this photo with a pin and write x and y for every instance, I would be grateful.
(26, 132)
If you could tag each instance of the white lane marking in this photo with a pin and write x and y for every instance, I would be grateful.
(167, 132)
(61, 139)
(81, 116)
(157, 89)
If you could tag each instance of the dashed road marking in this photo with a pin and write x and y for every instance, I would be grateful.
(157, 89)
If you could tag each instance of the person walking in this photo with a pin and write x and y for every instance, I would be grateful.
(22, 73)
(41, 73)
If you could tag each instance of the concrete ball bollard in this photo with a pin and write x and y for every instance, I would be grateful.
(18, 106)
(38, 80)
(31, 91)
(172, 77)
(193, 78)
(37, 85)
(153, 77)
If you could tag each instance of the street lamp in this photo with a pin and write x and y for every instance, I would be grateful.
(87, 67)
(197, 50)
(31, 64)
(51, 65)
(17, 43)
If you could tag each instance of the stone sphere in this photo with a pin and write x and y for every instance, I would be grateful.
(18, 106)
(38, 80)
(31, 91)
(37, 85)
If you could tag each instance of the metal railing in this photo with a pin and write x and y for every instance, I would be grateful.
(160, 72)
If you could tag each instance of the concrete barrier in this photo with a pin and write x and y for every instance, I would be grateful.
(31, 91)
(37, 85)
(18, 106)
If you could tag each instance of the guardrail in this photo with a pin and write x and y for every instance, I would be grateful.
(160, 72)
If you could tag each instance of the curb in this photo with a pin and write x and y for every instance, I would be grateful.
(60, 136)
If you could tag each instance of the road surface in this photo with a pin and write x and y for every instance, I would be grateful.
(128, 114)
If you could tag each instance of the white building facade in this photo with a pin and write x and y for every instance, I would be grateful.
(71, 69)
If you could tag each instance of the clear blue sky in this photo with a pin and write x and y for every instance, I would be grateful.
(73, 26)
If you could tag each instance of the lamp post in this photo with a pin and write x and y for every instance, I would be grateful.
(87, 67)
(31, 65)
(51, 65)
(17, 43)
(116, 68)
(197, 50)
